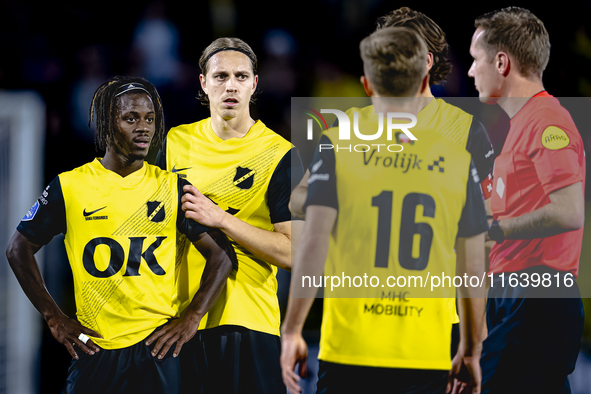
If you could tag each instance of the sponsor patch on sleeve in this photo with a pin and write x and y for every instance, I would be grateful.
(554, 138)
(487, 186)
(31, 212)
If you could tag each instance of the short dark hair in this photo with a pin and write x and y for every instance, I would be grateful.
(429, 31)
(394, 59)
(224, 44)
(520, 33)
(104, 108)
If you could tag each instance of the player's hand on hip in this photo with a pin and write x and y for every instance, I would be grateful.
(70, 333)
(294, 350)
(179, 331)
(200, 208)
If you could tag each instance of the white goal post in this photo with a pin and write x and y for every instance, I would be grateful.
(22, 155)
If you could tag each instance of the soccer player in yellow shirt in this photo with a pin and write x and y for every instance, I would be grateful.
(373, 217)
(472, 133)
(243, 172)
(474, 137)
(120, 217)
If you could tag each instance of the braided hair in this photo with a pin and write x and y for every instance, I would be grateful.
(104, 106)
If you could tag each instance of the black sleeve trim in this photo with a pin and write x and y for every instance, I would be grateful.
(481, 149)
(334, 124)
(322, 184)
(473, 220)
(47, 217)
(286, 176)
(189, 227)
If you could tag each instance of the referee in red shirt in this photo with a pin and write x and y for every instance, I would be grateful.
(534, 322)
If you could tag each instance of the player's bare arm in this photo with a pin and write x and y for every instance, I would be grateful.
(273, 247)
(309, 260)
(21, 257)
(298, 197)
(466, 375)
(565, 212)
(220, 260)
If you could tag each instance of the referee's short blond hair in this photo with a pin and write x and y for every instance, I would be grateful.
(521, 34)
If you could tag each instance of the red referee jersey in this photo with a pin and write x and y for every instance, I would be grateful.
(543, 152)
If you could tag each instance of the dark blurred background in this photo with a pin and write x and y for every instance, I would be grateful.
(306, 48)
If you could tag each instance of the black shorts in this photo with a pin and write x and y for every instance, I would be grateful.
(532, 343)
(341, 378)
(231, 359)
(128, 370)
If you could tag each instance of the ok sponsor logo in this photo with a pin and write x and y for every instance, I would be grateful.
(135, 256)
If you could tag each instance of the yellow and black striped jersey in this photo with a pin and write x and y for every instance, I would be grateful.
(248, 177)
(460, 128)
(399, 214)
(120, 238)
(466, 131)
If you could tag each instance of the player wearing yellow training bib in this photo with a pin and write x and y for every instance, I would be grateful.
(120, 218)
(242, 173)
(237, 175)
(387, 209)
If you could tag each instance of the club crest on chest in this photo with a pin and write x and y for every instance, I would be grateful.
(244, 178)
(156, 211)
